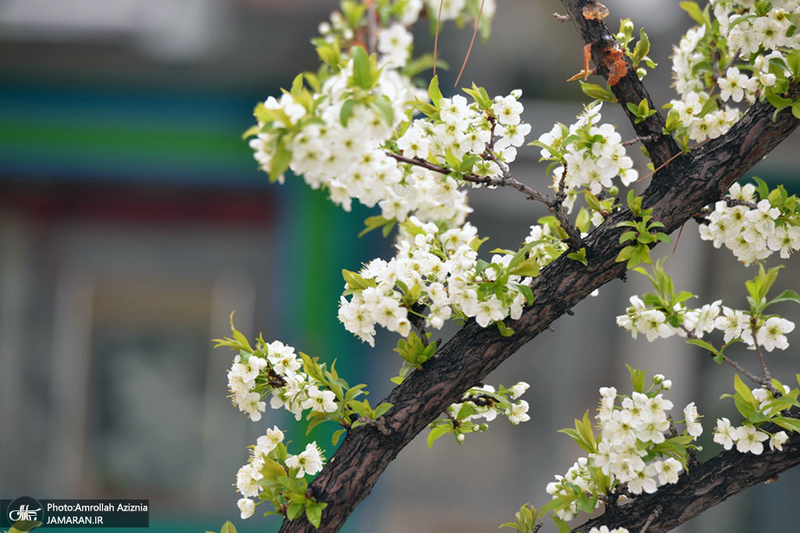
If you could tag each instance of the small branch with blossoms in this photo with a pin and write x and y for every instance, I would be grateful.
(297, 384)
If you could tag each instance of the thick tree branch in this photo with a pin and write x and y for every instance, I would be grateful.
(629, 89)
(706, 485)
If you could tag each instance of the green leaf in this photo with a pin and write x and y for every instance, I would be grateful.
(294, 510)
(520, 255)
(337, 435)
(451, 159)
(744, 391)
(376, 222)
(562, 526)
(437, 433)
(252, 130)
(637, 378)
(625, 254)
(347, 110)
(330, 53)
(505, 331)
(228, 527)
(433, 91)
(239, 337)
(382, 409)
(785, 296)
(355, 281)
(579, 256)
(642, 47)
(480, 96)
(792, 424)
(529, 268)
(362, 76)
(314, 513)
(597, 92)
(761, 187)
(777, 101)
(280, 163)
(673, 121)
(468, 162)
(526, 291)
(703, 344)
(384, 108)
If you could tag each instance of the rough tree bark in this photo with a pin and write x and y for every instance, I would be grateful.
(682, 186)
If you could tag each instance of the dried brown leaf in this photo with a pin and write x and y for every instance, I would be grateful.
(595, 11)
(614, 62)
(587, 55)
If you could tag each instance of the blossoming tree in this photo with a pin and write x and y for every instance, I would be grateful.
(361, 129)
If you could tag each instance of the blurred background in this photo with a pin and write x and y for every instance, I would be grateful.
(133, 221)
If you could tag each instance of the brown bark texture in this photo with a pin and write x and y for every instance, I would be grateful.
(681, 187)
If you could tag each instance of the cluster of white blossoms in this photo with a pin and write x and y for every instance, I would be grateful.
(769, 333)
(752, 231)
(349, 159)
(746, 437)
(275, 368)
(749, 438)
(337, 136)
(653, 323)
(593, 155)
(394, 39)
(479, 406)
(700, 122)
(465, 129)
(745, 28)
(629, 433)
(440, 271)
(308, 462)
(751, 28)
(488, 410)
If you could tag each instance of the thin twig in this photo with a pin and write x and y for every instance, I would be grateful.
(678, 238)
(503, 167)
(764, 369)
(469, 50)
(490, 181)
(436, 39)
(561, 193)
(506, 180)
(656, 512)
(668, 161)
(645, 139)
(372, 38)
(749, 375)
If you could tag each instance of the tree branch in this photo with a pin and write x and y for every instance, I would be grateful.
(705, 486)
(629, 89)
(507, 180)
